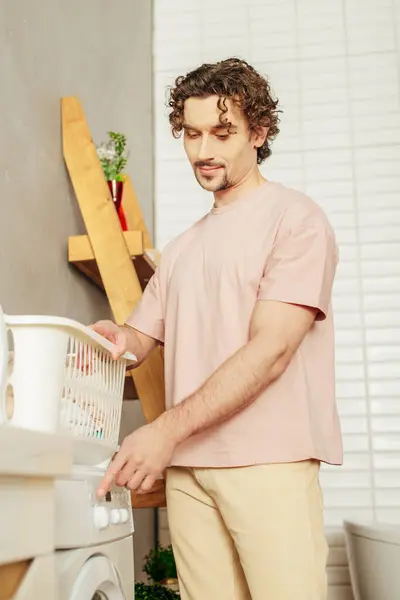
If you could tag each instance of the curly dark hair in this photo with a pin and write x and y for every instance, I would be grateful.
(234, 79)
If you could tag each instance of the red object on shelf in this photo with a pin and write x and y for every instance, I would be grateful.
(117, 189)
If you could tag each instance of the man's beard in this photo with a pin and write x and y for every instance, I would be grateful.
(210, 183)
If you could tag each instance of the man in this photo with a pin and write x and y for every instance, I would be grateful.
(242, 303)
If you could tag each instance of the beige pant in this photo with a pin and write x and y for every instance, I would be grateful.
(250, 533)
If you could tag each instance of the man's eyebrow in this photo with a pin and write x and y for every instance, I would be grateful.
(229, 126)
(216, 127)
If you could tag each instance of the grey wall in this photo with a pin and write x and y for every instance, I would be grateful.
(101, 52)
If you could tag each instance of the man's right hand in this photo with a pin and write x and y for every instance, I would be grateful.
(115, 334)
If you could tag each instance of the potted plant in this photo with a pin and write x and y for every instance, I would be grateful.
(160, 567)
(154, 592)
(113, 158)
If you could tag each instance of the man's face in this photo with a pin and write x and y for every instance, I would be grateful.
(219, 159)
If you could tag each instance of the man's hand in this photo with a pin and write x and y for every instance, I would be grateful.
(126, 339)
(142, 458)
(114, 334)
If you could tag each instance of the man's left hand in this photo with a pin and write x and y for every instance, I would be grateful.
(142, 458)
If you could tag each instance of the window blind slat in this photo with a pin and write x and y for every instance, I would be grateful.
(336, 146)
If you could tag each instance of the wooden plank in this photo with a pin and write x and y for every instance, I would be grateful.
(11, 576)
(90, 269)
(118, 275)
(154, 499)
(133, 212)
(97, 209)
(153, 257)
(130, 392)
(144, 271)
(80, 248)
(80, 253)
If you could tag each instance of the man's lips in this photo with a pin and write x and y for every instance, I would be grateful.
(209, 169)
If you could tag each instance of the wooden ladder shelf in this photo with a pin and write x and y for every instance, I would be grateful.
(120, 263)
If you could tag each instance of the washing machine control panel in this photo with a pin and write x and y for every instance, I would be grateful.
(101, 517)
(114, 510)
(82, 519)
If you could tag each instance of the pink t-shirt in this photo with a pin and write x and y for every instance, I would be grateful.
(272, 244)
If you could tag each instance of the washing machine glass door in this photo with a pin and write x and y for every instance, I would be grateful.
(98, 580)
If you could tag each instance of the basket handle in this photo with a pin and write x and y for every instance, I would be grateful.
(3, 367)
(70, 326)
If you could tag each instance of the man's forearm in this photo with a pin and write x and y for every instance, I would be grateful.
(232, 387)
(134, 345)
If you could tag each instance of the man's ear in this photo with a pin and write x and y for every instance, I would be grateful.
(259, 135)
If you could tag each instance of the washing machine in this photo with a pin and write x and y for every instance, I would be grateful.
(61, 379)
(93, 539)
(29, 462)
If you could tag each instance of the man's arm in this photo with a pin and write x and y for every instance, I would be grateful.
(126, 339)
(142, 343)
(276, 332)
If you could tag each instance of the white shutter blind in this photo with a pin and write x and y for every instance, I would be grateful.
(336, 71)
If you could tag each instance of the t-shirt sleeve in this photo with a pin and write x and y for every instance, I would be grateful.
(147, 317)
(302, 265)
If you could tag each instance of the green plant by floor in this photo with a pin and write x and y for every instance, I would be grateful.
(160, 564)
(154, 592)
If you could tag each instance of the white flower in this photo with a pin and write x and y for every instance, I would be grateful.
(106, 152)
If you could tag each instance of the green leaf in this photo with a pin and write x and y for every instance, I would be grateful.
(114, 166)
(154, 592)
(160, 564)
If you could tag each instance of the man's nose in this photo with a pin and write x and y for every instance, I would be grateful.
(205, 152)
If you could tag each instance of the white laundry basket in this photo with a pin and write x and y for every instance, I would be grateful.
(61, 378)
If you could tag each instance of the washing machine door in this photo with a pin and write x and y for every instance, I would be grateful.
(98, 580)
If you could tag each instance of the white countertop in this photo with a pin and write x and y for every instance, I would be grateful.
(33, 454)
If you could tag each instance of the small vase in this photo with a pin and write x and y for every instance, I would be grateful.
(171, 584)
(117, 189)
